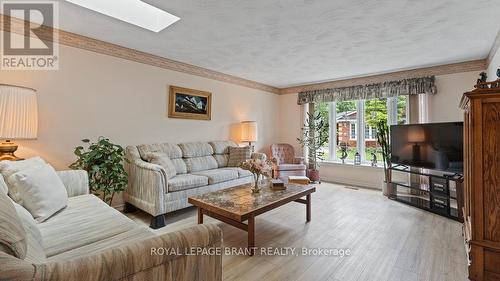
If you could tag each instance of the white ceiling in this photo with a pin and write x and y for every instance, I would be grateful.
(289, 42)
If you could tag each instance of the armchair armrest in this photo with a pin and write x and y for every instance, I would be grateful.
(257, 155)
(75, 181)
(147, 185)
(298, 160)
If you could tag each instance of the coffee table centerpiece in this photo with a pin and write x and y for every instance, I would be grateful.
(258, 168)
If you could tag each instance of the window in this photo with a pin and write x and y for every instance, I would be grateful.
(352, 135)
(344, 119)
(353, 125)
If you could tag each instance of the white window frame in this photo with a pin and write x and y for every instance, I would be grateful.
(351, 124)
(371, 133)
(392, 113)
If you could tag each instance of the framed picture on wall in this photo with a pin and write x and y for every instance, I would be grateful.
(189, 104)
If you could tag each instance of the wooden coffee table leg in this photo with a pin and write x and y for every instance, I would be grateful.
(251, 235)
(308, 207)
(200, 215)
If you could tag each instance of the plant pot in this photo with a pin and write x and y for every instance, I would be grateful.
(313, 175)
(388, 190)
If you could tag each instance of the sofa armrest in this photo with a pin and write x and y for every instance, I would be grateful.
(75, 181)
(148, 260)
(258, 155)
(147, 185)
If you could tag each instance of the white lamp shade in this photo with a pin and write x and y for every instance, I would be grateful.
(249, 131)
(18, 113)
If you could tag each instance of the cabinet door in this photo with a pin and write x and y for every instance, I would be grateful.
(491, 169)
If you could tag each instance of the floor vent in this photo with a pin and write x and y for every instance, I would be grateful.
(351, 187)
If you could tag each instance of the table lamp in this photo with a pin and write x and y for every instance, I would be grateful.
(249, 132)
(416, 135)
(18, 118)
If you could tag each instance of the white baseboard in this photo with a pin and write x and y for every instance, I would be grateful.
(350, 181)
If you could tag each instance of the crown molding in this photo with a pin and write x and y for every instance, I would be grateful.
(494, 49)
(102, 47)
(397, 75)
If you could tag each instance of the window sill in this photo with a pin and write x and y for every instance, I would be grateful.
(351, 164)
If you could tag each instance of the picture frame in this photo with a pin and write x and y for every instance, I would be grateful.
(188, 103)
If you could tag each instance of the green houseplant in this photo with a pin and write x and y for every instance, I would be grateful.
(383, 139)
(314, 137)
(103, 161)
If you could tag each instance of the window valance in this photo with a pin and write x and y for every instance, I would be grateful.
(412, 86)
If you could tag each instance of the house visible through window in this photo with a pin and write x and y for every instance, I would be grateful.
(353, 125)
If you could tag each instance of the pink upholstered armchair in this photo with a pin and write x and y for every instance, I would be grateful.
(286, 164)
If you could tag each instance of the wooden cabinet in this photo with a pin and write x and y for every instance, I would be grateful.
(482, 180)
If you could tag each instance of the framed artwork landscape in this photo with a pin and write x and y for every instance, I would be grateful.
(188, 103)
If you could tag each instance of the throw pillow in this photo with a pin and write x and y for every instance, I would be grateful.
(8, 168)
(238, 155)
(160, 158)
(12, 233)
(42, 191)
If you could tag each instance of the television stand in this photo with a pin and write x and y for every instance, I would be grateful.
(434, 191)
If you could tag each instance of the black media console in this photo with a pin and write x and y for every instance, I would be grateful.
(434, 191)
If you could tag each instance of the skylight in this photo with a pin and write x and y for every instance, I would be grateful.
(134, 12)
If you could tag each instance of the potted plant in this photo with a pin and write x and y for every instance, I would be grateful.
(383, 137)
(103, 161)
(314, 137)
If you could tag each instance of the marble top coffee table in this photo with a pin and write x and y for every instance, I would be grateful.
(237, 204)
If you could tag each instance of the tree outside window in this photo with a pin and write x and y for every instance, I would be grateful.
(348, 127)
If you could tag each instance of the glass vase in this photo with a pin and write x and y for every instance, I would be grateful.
(256, 187)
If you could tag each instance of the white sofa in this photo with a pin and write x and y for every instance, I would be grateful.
(90, 241)
(201, 167)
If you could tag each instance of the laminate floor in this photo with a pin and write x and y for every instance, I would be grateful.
(387, 240)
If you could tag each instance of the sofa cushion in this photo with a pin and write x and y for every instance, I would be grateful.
(12, 233)
(160, 158)
(186, 181)
(86, 220)
(222, 147)
(196, 149)
(41, 190)
(8, 168)
(173, 151)
(241, 173)
(238, 155)
(290, 167)
(201, 163)
(218, 175)
(221, 160)
(130, 236)
(180, 165)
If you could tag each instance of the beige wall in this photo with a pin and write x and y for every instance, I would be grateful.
(95, 95)
(443, 107)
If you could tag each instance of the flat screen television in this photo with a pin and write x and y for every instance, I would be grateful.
(437, 146)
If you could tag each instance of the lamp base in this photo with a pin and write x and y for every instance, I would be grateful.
(7, 150)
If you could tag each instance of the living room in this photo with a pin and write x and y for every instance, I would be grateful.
(217, 112)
